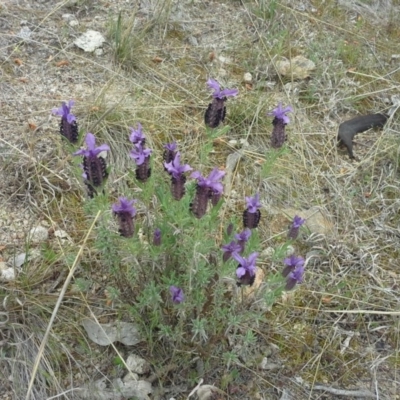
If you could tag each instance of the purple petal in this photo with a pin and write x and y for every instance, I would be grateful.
(228, 92)
(240, 271)
(90, 141)
(213, 84)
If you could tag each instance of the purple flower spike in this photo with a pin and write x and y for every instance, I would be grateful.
(68, 125)
(229, 249)
(140, 154)
(252, 215)
(137, 136)
(176, 294)
(157, 237)
(216, 111)
(125, 213)
(169, 152)
(278, 136)
(292, 263)
(178, 179)
(295, 277)
(246, 270)
(199, 204)
(207, 188)
(243, 238)
(94, 167)
(295, 227)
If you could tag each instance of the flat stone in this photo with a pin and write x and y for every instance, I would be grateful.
(298, 67)
(90, 41)
(39, 234)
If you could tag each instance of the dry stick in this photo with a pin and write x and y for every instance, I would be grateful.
(345, 392)
(57, 306)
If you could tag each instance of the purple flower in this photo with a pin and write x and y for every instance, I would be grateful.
(229, 249)
(125, 213)
(218, 93)
(68, 125)
(139, 154)
(295, 227)
(252, 215)
(175, 168)
(280, 113)
(171, 146)
(157, 237)
(176, 294)
(295, 277)
(65, 111)
(207, 188)
(178, 180)
(253, 203)
(137, 136)
(246, 270)
(278, 136)
(94, 167)
(243, 238)
(124, 206)
(292, 263)
(216, 111)
(169, 152)
(92, 151)
(212, 181)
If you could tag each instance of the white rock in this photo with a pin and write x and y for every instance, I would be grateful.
(98, 52)
(247, 77)
(137, 364)
(19, 260)
(3, 266)
(7, 274)
(39, 234)
(25, 33)
(73, 23)
(233, 142)
(130, 376)
(105, 334)
(68, 17)
(298, 68)
(89, 41)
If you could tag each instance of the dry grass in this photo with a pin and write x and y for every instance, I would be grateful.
(340, 328)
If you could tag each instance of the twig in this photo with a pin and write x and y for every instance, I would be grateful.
(345, 392)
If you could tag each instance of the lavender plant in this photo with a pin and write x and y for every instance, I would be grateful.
(168, 271)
